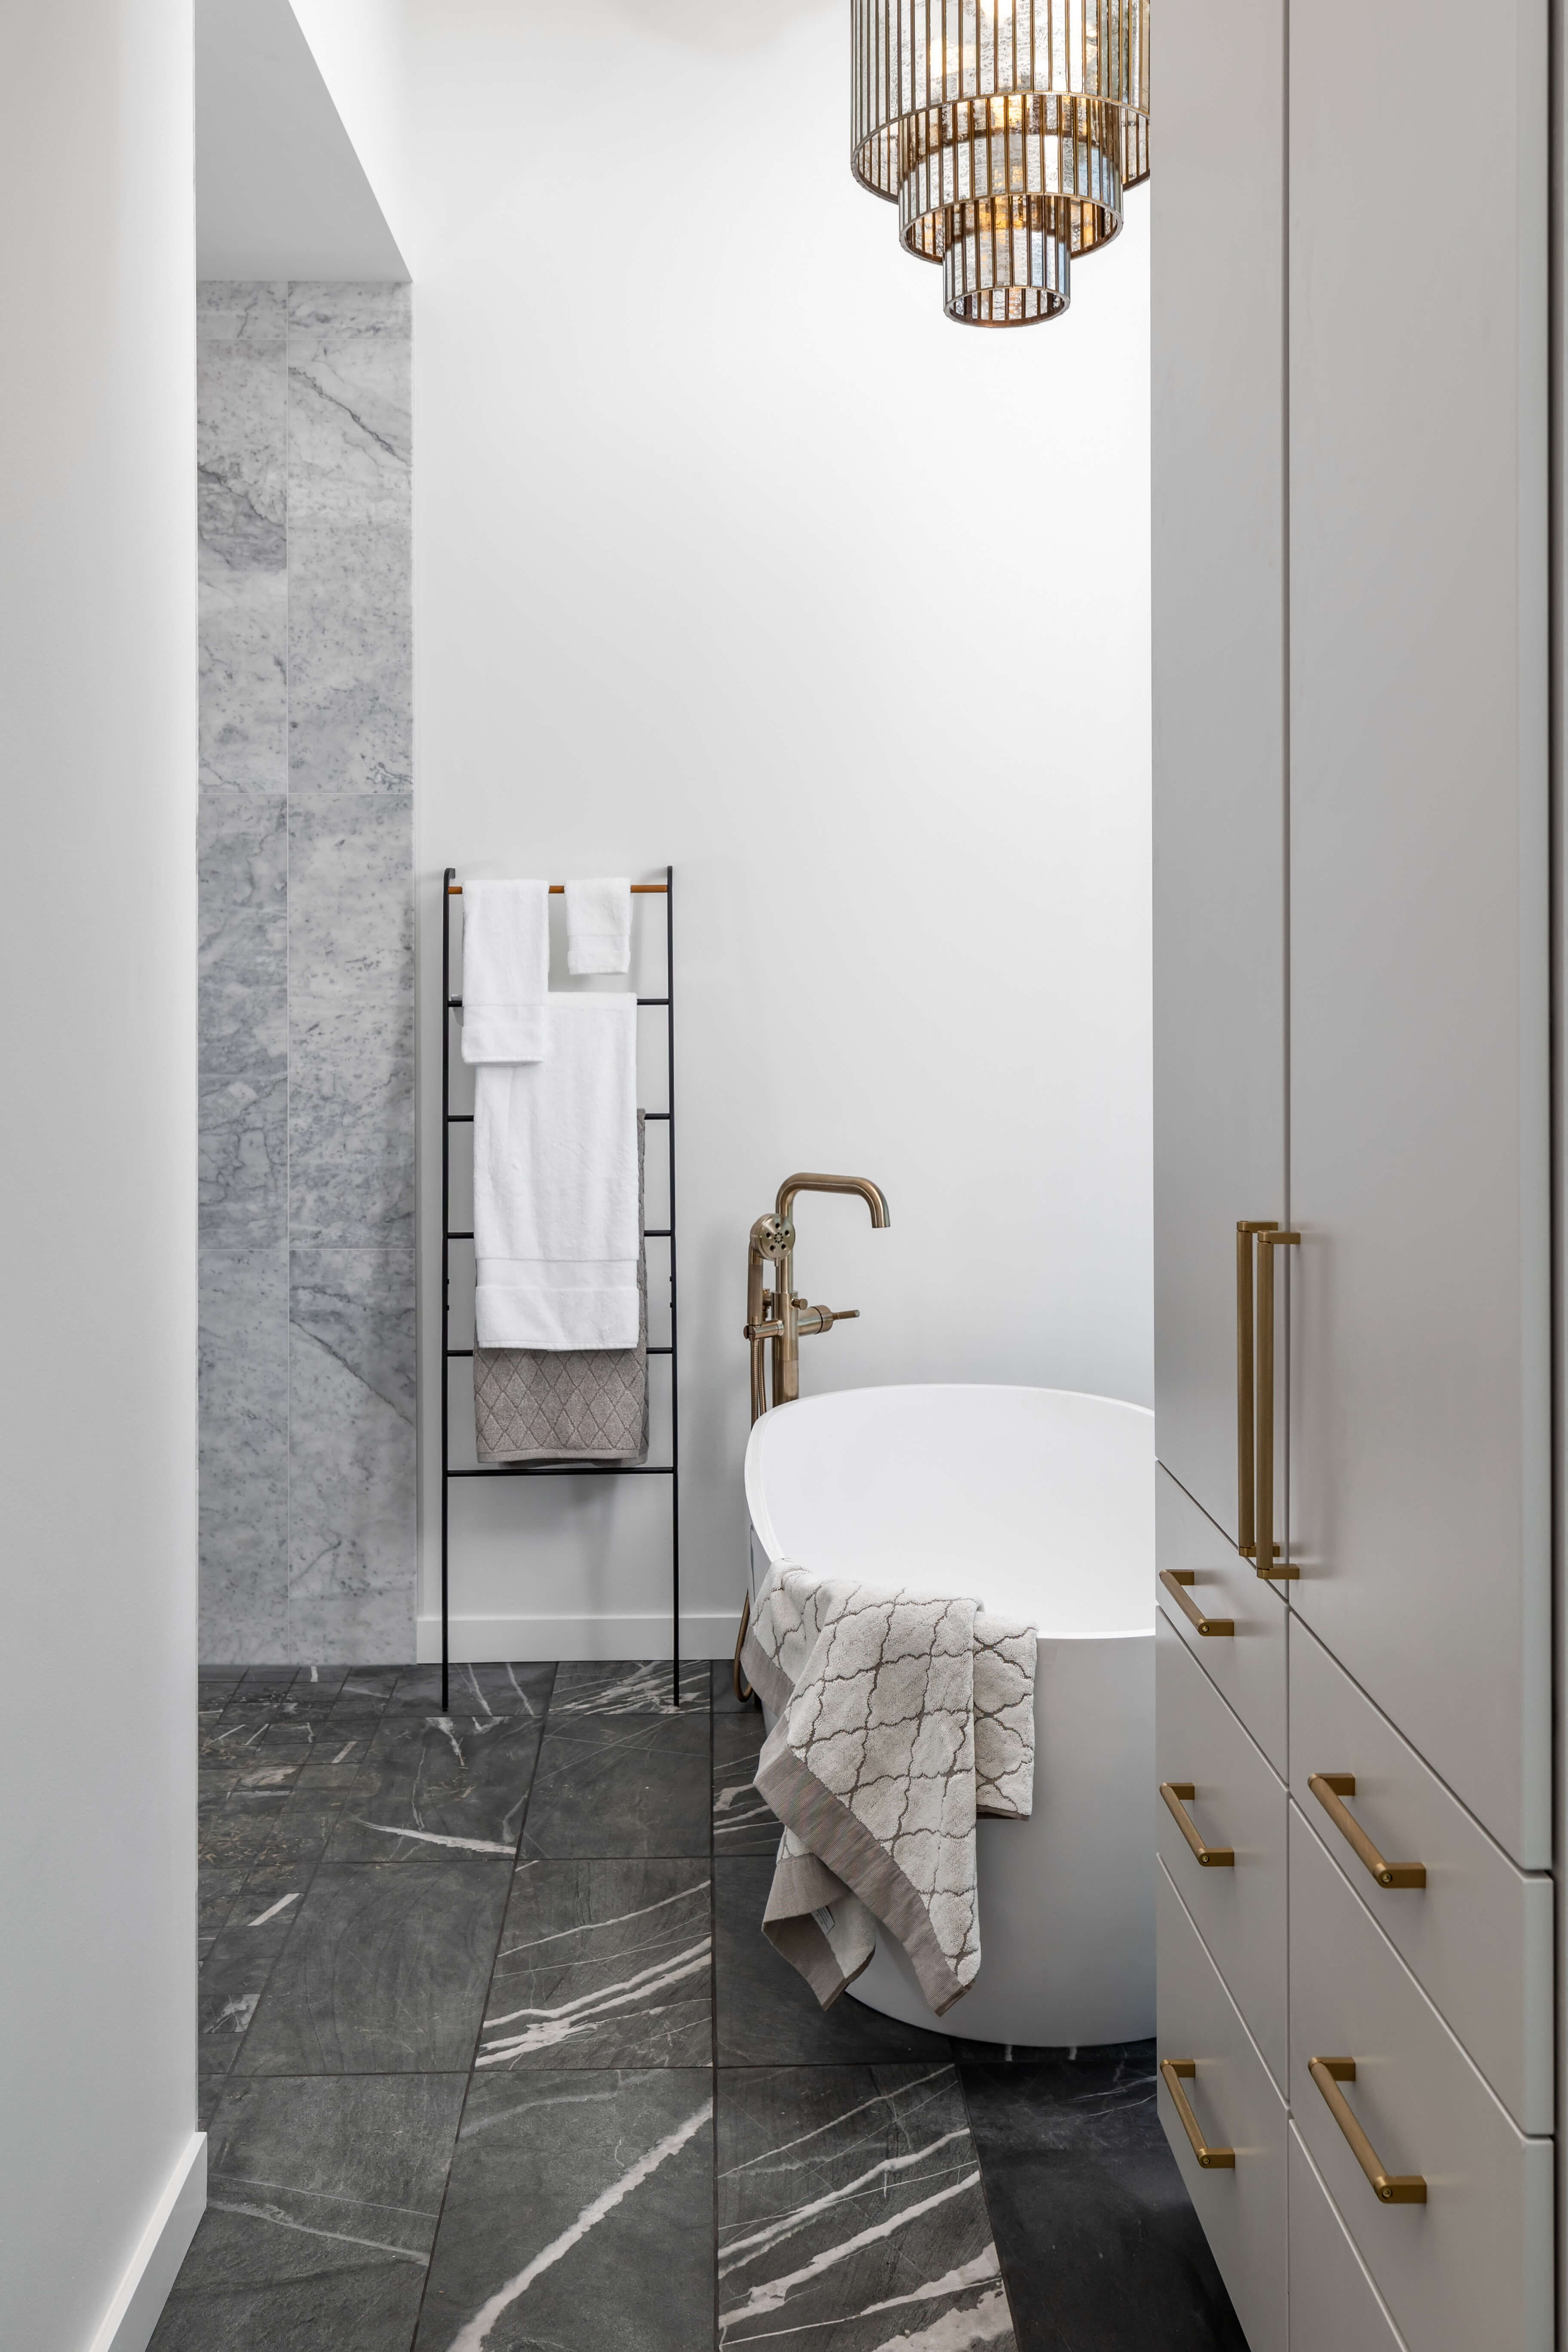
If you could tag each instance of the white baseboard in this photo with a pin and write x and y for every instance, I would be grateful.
(127, 2326)
(703, 1634)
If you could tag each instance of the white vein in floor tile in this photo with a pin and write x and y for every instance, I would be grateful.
(430, 1837)
(553, 2026)
(881, 2099)
(772, 2293)
(470, 2337)
(273, 1909)
(593, 1927)
(741, 2250)
(269, 2213)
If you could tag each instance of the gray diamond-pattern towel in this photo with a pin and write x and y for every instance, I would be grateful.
(900, 1719)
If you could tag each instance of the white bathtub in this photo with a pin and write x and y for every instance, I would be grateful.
(1040, 1503)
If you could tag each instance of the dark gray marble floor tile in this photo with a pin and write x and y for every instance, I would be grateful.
(321, 2205)
(476, 1689)
(603, 1964)
(1100, 2245)
(370, 1686)
(234, 1834)
(851, 2209)
(233, 1979)
(270, 1896)
(579, 2216)
(768, 2015)
(384, 1970)
(265, 1684)
(215, 1685)
(210, 2089)
(632, 1687)
(431, 1783)
(629, 1788)
(216, 1889)
(725, 1701)
(742, 1823)
(302, 1830)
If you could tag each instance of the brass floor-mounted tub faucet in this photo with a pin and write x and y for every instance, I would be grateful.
(777, 1320)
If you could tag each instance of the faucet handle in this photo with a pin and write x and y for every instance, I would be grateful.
(823, 1318)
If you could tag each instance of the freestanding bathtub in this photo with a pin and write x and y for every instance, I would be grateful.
(1040, 1503)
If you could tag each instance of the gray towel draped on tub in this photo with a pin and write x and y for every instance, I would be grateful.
(582, 1404)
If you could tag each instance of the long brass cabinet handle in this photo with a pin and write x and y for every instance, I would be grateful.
(1393, 2187)
(1270, 1558)
(1246, 1528)
(1328, 1788)
(1213, 2159)
(1175, 1582)
(1210, 1857)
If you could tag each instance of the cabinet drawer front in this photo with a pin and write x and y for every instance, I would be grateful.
(1335, 2308)
(1478, 1934)
(1473, 2267)
(1242, 2209)
(1248, 1664)
(1238, 1804)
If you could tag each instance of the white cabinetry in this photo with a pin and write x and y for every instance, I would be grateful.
(1351, 706)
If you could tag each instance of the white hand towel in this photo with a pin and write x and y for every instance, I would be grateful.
(599, 925)
(555, 1185)
(506, 972)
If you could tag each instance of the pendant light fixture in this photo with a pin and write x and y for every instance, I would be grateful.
(1006, 131)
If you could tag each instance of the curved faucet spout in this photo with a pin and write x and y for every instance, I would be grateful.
(875, 1199)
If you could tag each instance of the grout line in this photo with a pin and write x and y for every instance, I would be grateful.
(484, 2011)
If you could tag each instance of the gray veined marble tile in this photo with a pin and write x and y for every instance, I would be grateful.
(351, 912)
(233, 1979)
(242, 958)
(351, 1524)
(1082, 2187)
(578, 2214)
(851, 2208)
(479, 1689)
(243, 716)
(351, 640)
(433, 1783)
(351, 1129)
(631, 1787)
(384, 1970)
(322, 2203)
(241, 438)
(768, 2015)
(603, 1964)
(243, 1377)
(743, 1821)
(242, 1160)
(349, 367)
(626, 1687)
(240, 309)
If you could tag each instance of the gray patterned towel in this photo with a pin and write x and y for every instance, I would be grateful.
(579, 1404)
(900, 1719)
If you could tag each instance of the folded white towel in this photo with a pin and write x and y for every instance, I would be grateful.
(555, 1185)
(599, 925)
(506, 972)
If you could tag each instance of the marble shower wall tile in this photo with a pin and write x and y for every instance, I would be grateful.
(306, 972)
(350, 1454)
(243, 1377)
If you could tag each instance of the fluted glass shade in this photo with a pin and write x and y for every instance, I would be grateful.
(1006, 132)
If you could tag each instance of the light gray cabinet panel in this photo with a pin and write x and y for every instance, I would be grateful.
(1248, 1663)
(1218, 709)
(1418, 883)
(1243, 2206)
(1237, 1804)
(1478, 1934)
(1473, 2267)
(1334, 2306)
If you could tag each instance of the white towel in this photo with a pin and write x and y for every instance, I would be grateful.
(506, 972)
(555, 1185)
(599, 925)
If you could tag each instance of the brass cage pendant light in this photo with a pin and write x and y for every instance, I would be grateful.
(1006, 131)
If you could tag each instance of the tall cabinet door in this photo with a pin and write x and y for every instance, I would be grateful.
(1419, 1470)
(1219, 706)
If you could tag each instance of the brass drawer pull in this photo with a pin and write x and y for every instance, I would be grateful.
(1270, 1558)
(1328, 1788)
(1393, 2187)
(1246, 1532)
(1213, 2159)
(1175, 1582)
(1210, 1857)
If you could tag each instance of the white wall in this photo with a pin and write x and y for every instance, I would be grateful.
(730, 551)
(97, 1179)
(358, 47)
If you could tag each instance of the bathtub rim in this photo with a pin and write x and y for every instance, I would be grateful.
(762, 1526)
